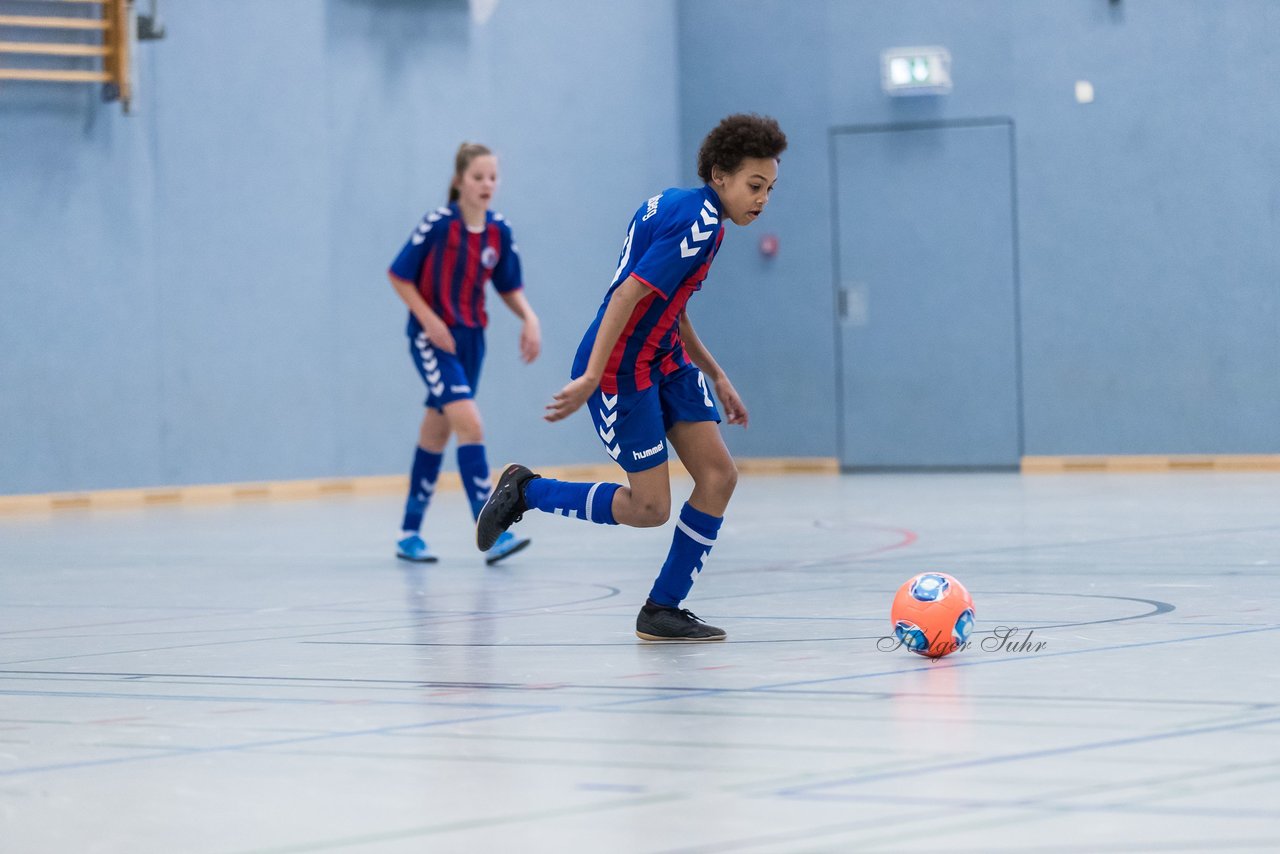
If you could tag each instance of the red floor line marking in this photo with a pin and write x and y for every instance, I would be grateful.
(908, 536)
(639, 675)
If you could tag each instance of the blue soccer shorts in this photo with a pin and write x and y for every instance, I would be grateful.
(449, 376)
(634, 426)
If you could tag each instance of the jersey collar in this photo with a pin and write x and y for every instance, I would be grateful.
(456, 209)
(712, 196)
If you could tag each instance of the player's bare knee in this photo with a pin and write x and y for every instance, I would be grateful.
(658, 516)
(468, 426)
(719, 480)
(434, 435)
(730, 477)
(652, 513)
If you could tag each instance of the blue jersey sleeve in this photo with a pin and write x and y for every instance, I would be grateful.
(682, 240)
(507, 275)
(408, 264)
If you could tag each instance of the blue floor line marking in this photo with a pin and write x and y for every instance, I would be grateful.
(197, 698)
(781, 686)
(256, 745)
(1018, 757)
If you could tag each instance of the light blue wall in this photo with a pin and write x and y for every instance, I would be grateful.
(1149, 221)
(768, 321)
(196, 293)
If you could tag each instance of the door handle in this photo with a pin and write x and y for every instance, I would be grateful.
(851, 304)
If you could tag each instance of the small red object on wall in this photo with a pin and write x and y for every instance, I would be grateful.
(768, 245)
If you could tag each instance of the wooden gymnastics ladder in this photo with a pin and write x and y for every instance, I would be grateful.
(60, 54)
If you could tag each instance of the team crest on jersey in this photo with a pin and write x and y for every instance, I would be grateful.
(489, 257)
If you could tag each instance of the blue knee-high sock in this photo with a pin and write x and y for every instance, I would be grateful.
(422, 483)
(590, 501)
(695, 535)
(473, 468)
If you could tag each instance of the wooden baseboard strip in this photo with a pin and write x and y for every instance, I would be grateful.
(53, 49)
(36, 75)
(52, 23)
(291, 490)
(1154, 464)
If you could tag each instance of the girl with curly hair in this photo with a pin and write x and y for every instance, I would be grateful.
(650, 379)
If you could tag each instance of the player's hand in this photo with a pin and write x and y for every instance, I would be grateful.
(570, 398)
(734, 409)
(439, 335)
(530, 340)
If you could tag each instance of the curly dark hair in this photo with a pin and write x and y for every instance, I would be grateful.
(737, 137)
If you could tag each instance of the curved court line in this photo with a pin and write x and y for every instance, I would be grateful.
(610, 592)
(1106, 541)
(372, 625)
(1157, 608)
(906, 539)
(478, 616)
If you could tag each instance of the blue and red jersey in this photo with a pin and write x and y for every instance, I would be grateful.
(451, 264)
(669, 247)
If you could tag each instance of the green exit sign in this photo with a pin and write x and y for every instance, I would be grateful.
(916, 71)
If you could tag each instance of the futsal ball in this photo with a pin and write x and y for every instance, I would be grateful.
(932, 614)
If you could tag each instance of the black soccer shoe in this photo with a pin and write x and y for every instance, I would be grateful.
(505, 506)
(659, 623)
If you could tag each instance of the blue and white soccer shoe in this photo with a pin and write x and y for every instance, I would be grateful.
(506, 545)
(414, 548)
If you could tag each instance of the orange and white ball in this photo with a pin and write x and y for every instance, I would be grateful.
(932, 614)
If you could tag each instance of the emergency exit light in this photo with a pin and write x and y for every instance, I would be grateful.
(916, 71)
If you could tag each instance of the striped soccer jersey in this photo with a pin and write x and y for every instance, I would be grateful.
(451, 265)
(670, 244)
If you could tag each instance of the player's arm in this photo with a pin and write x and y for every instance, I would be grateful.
(616, 314)
(698, 353)
(436, 329)
(531, 333)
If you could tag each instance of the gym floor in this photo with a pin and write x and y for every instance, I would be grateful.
(267, 677)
